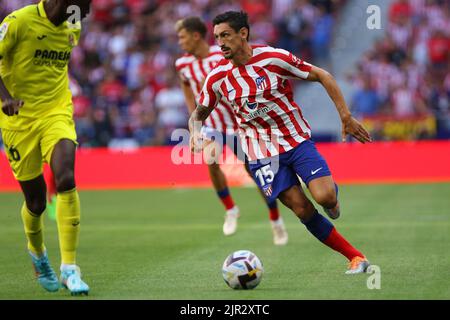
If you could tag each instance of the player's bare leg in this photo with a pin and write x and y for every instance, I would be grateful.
(295, 199)
(279, 232)
(51, 192)
(211, 153)
(324, 192)
(34, 192)
(32, 215)
(68, 215)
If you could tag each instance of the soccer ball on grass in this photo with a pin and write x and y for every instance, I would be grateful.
(242, 270)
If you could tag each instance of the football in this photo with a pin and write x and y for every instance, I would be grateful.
(242, 270)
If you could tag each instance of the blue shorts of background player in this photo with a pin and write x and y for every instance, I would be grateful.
(279, 173)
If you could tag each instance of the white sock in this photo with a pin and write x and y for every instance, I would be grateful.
(279, 221)
(68, 266)
(234, 210)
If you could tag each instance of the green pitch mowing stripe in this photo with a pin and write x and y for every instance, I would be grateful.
(169, 245)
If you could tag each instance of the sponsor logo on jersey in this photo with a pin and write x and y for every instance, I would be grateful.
(252, 106)
(52, 55)
(51, 58)
(256, 110)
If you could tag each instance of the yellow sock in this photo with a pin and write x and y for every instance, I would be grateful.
(33, 226)
(68, 221)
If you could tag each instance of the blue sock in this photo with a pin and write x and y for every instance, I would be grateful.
(319, 226)
(272, 204)
(223, 193)
(337, 189)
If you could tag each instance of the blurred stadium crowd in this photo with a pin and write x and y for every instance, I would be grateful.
(126, 91)
(406, 74)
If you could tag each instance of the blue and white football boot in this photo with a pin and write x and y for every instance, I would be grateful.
(71, 279)
(44, 272)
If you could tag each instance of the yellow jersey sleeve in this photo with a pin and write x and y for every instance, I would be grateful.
(9, 34)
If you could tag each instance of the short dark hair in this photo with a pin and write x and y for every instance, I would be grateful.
(192, 24)
(236, 20)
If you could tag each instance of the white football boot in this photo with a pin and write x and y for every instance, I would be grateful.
(230, 224)
(280, 235)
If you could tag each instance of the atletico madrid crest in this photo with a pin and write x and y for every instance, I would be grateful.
(267, 189)
(261, 83)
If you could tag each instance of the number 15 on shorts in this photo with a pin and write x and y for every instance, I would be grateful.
(265, 175)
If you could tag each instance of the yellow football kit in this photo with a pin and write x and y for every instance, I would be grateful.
(34, 58)
(34, 61)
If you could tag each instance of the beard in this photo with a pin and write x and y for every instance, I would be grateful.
(229, 55)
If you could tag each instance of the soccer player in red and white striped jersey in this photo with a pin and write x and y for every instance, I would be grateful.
(193, 67)
(277, 138)
(193, 71)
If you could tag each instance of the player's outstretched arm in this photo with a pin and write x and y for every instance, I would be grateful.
(200, 114)
(10, 106)
(349, 124)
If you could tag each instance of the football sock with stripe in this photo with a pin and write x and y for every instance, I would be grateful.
(225, 197)
(324, 230)
(274, 213)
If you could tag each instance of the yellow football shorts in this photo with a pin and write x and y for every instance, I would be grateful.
(27, 150)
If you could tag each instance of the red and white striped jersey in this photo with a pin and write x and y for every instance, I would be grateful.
(270, 121)
(194, 72)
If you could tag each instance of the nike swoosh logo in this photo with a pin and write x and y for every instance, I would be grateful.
(42, 37)
(231, 90)
(315, 171)
(76, 223)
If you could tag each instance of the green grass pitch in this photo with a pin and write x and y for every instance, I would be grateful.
(168, 244)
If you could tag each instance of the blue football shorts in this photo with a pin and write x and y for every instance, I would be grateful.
(276, 174)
